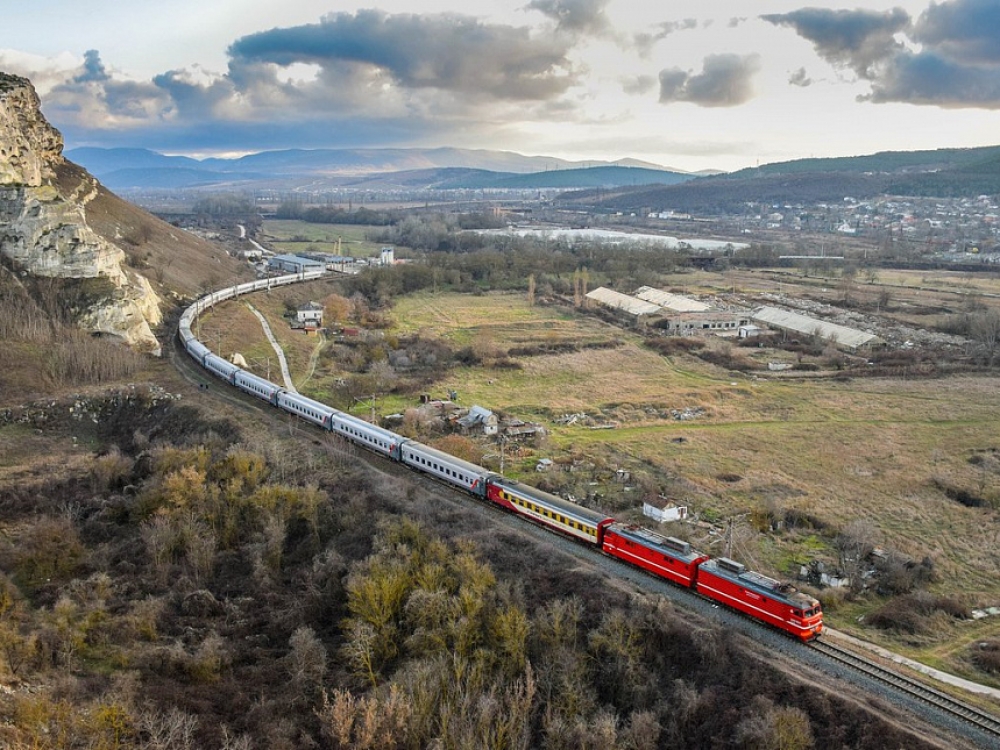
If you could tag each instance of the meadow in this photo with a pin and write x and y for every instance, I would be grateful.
(294, 236)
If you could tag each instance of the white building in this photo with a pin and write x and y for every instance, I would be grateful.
(310, 314)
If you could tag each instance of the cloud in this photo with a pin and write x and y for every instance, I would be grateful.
(800, 78)
(448, 52)
(89, 96)
(93, 68)
(964, 31)
(929, 79)
(375, 79)
(584, 17)
(857, 39)
(639, 85)
(726, 80)
(645, 42)
(951, 60)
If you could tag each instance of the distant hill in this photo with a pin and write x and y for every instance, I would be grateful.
(319, 168)
(625, 185)
(730, 195)
(610, 176)
(942, 172)
(883, 162)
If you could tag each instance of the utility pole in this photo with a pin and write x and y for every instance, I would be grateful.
(266, 361)
(501, 442)
(366, 402)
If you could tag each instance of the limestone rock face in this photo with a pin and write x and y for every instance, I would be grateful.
(29, 146)
(43, 223)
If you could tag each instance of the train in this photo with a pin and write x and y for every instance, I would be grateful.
(719, 579)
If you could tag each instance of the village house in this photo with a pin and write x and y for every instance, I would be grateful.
(309, 315)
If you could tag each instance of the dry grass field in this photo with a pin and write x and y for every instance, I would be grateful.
(837, 450)
(292, 236)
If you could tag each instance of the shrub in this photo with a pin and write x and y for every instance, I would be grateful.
(986, 655)
(910, 613)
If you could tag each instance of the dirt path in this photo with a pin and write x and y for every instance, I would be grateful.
(313, 360)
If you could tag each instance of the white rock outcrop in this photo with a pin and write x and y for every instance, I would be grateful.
(43, 225)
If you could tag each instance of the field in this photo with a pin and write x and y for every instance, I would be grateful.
(832, 450)
(293, 236)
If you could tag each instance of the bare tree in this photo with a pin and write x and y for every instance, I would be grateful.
(985, 331)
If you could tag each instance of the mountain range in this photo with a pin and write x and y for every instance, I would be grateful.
(363, 169)
(622, 185)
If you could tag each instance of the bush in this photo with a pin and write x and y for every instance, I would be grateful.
(986, 655)
(674, 345)
(910, 613)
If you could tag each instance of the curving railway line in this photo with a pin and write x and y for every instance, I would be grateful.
(987, 725)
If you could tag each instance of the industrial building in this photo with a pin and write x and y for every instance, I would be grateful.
(677, 315)
(293, 264)
(669, 301)
(625, 303)
(851, 339)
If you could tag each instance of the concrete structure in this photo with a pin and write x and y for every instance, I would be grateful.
(719, 322)
(672, 302)
(846, 338)
(387, 256)
(623, 302)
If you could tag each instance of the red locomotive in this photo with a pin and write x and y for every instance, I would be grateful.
(726, 581)
(776, 603)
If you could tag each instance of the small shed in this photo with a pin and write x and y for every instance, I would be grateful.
(664, 510)
(480, 417)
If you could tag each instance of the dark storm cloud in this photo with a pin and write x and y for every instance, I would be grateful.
(857, 39)
(927, 78)
(957, 65)
(725, 81)
(575, 16)
(965, 31)
(448, 52)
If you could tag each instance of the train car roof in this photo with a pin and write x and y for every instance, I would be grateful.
(258, 378)
(567, 507)
(737, 573)
(361, 424)
(412, 445)
(668, 545)
(298, 397)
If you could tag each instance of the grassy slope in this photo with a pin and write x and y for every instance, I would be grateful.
(175, 260)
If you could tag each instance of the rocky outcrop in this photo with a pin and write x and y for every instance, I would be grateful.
(43, 221)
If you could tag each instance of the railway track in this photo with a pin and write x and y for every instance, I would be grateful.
(954, 707)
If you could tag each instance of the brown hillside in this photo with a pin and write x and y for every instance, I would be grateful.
(173, 259)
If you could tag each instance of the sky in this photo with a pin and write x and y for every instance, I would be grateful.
(686, 84)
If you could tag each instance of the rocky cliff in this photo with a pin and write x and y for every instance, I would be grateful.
(44, 229)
